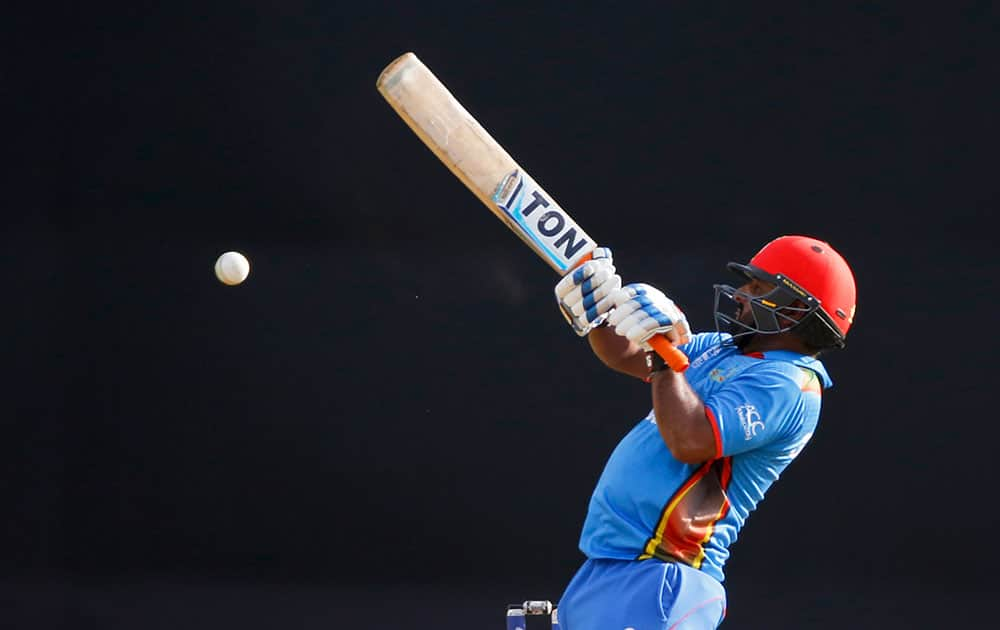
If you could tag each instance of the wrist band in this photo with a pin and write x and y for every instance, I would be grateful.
(655, 363)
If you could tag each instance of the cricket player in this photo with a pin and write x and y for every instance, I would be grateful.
(679, 486)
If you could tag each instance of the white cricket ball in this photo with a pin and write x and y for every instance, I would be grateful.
(232, 268)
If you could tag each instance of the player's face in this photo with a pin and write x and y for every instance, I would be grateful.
(754, 287)
(735, 309)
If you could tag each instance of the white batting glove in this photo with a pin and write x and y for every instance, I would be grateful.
(584, 293)
(641, 311)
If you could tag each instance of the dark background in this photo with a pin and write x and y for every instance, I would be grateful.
(388, 424)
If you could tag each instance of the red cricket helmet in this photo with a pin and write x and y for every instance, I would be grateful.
(803, 263)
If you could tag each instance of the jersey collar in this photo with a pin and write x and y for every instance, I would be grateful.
(804, 361)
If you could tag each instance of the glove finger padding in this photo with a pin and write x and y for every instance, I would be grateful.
(584, 294)
(642, 311)
(601, 259)
(591, 299)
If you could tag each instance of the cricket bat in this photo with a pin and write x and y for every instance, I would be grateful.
(474, 157)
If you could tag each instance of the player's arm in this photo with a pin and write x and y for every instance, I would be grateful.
(641, 311)
(617, 352)
(681, 418)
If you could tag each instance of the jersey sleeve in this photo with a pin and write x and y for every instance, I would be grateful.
(756, 408)
(699, 343)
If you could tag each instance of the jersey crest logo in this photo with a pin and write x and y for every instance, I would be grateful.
(750, 420)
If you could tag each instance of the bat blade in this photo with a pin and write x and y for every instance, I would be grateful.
(482, 164)
(471, 153)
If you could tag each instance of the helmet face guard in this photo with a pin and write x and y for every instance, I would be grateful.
(774, 312)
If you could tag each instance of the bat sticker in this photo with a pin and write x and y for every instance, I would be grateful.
(555, 235)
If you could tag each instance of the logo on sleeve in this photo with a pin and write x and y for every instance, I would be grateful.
(706, 355)
(750, 420)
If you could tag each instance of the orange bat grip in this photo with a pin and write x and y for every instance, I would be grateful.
(676, 359)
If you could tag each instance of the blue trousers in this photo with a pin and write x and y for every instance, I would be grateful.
(641, 595)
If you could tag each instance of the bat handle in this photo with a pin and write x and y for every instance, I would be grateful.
(673, 357)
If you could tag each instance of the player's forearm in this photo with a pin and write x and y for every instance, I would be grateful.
(617, 352)
(681, 418)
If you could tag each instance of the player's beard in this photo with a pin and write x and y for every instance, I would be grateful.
(742, 331)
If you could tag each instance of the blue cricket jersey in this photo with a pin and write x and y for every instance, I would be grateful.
(763, 409)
